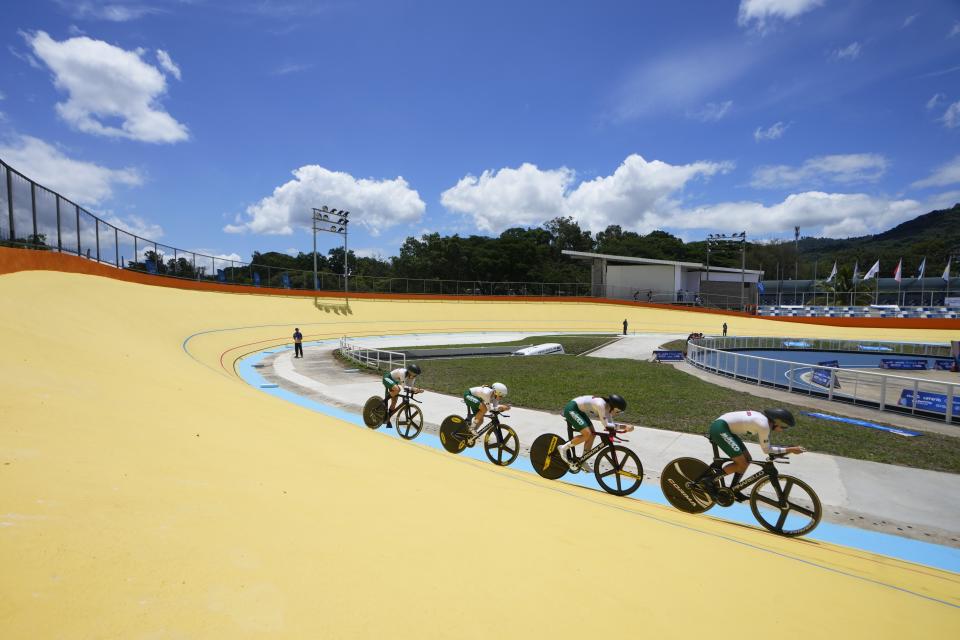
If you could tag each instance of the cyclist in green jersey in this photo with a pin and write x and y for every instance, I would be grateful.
(576, 413)
(478, 399)
(726, 430)
(393, 381)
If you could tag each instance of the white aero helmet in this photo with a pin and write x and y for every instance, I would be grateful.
(499, 389)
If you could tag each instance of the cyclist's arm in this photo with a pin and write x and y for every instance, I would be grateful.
(763, 435)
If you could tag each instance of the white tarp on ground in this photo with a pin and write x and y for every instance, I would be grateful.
(540, 349)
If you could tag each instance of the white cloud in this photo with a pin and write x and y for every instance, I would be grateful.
(83, 182)
(951, 117)
(955, 30)
(843, 169)
(711, 112)
(948, 173)
(2, 97)
(119, 11)
(763, 14)
(680, 81)
(909, 20)
(135, 225)
(168, 64)
(935, 100)
(850, 52)
(637, 192)
(773, 132)
(105, 82)
(828, 214)
(376, 204)
(369, 252)
(287, 69)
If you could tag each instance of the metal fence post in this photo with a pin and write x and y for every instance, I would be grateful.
(59, 241)
(950, 396)
(77, 208)
(13, 233)
(96, 231)
(33, 207)
(883, 392)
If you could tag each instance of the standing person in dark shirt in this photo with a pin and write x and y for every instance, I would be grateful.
(624, 326)
(297, 343)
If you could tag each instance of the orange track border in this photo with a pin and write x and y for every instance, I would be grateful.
(14, 260)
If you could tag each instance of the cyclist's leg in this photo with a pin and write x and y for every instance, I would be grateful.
(475, 410)
(731, 444)
(578, 422)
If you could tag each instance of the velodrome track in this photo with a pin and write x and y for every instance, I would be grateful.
(148, 492)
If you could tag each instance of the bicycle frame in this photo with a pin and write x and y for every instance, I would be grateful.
(767, 469)
(404, 398)
(606, 440)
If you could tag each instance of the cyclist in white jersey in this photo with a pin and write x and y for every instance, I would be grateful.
(479, 399)
(577, 414)
(394, 380)
(726, 430)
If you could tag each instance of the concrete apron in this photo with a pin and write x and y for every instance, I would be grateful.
(908, 502)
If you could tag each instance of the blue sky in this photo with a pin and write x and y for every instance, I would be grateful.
(216, 126)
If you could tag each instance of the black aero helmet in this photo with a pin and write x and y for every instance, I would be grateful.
(781, 415)
(413, 368)
(616, 401)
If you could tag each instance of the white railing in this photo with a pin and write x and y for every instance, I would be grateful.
(891, 393)
(373, 358)
(736, 343)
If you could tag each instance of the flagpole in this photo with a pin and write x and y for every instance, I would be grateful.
(924, 265)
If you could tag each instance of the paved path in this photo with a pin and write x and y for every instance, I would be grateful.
(892, 499)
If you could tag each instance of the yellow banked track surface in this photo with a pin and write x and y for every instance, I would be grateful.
(148, 492)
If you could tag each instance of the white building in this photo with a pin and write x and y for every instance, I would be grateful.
(666, 281)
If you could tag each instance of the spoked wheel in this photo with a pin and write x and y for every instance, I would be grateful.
(618, 470)
(502, 445)
(374, 412)
(786, 505)
(409, 422)
(453, 434)
(674, 480)
(546, 459)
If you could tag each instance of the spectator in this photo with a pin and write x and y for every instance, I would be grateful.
(624, 326)
(297, 343)
(636, 295)
(649, 295)
(724, 328)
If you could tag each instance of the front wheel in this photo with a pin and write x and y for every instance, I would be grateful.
(546, 459)
(676, 482)
(502, 445)
(374, 412)
(786, 506)
(618, 470)
(409, 422)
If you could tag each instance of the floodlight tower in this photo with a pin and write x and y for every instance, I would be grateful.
(331, 221)
(734, 238)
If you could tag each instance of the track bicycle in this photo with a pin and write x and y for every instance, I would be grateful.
(782, 504)
(406, 417)
(617, 469)
(500, 442)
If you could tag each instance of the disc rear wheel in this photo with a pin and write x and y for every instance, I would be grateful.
(676, 480)
(374, 412)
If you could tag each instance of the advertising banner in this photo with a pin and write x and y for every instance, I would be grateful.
(673, 356)
(890, 363)
(822, 377)
(926, 401)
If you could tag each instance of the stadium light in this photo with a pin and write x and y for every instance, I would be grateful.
(721, 239)
(337, 222)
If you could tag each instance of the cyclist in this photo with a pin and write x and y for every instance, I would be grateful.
(576, 413)
(479, 399)
(394, 380)
(726, 430)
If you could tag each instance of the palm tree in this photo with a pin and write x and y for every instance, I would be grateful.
(842, 289)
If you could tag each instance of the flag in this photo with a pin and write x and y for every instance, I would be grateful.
(856, 271)
(833, 274)
(896, 274)
(923, 267)
(946, 272)
(874, 270)
(760, 287)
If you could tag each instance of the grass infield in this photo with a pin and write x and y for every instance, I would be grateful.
(662, 397)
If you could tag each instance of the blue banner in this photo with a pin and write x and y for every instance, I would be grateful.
(870, 347)
(890, 363)
(285, 280)
(256, 279)
(668, 355)
(943, 365)
(822, 376)
(863, 423)
(221, 276)
(151, 267)
(926, 401)
(799, 344)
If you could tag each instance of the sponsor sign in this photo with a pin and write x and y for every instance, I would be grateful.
(890, 363)
(863, 423)
(674, 356)
(821, 377)
(951, 302)
(943, 365)
(797, 344)
(926, 401)
(873, 347)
